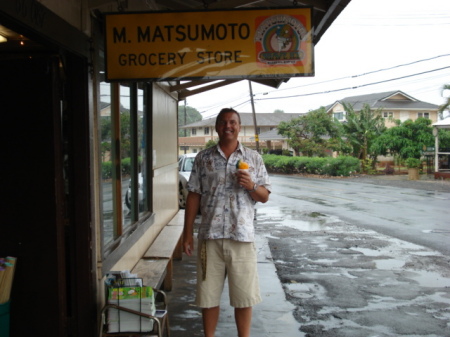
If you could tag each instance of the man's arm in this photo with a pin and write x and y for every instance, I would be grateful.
(191, 211)
(261, 194)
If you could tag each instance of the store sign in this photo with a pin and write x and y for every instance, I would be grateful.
(275, 43)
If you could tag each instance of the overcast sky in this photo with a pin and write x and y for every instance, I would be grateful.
(403, 44)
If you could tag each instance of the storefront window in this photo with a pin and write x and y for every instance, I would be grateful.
(123, 139)
(125, 153)
(142, 153)
(106, 164)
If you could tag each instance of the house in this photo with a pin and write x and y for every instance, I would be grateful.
(204, 130)
(395, 105)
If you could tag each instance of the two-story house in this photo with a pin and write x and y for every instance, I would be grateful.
(395, 105)
(204, 130)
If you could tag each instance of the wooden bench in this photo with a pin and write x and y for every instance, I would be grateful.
(156, 266)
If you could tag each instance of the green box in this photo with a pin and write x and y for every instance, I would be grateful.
(4, 319)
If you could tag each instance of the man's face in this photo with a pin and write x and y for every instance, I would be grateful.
(228, 126)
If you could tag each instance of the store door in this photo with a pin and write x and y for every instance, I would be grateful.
(45, 180)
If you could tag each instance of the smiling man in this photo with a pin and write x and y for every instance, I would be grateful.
(226, 198)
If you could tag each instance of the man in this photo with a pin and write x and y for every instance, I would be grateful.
(225, 197)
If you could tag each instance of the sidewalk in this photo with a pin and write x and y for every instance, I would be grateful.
(272, 317)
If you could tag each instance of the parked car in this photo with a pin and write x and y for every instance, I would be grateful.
(140, 193)
(185, 163)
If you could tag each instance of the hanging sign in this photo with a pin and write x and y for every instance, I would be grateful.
(271, 43)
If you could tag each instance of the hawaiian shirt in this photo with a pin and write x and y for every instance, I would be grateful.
(227, 209)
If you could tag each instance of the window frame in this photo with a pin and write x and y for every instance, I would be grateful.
(126, 235)
(340, 113)
(423, 115)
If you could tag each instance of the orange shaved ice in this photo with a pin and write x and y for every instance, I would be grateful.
(243, 165)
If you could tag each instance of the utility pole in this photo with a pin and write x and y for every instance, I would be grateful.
(184, 124)
(254, 116)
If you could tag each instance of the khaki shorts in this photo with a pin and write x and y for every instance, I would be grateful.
(232, 259)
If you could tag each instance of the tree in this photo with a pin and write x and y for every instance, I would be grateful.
(192, 115)
(446, 105)
(361, 129)
(407, 139)
(125, 124)
(278, 111)
(444, 138)
(312, 134)
(210, 143)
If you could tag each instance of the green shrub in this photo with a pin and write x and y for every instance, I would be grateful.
(106, 170)
(269, 161)
(340, 166)
(413, 163)
(286, 164)
(300, 164)
(126, 166)
(316, 165)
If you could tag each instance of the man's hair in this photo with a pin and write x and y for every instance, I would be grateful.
(226, 110)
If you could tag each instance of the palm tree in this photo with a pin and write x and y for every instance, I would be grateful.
(446, 105)
(361, 128)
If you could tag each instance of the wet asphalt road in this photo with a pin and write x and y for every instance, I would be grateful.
(418, 211)
(355, 257)
(359, 257)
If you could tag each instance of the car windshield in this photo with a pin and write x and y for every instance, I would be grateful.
(188, 163)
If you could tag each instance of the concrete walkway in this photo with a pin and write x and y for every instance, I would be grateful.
(272, 317)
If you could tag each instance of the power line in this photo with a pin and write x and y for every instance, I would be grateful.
(205, 110)
(364, 74)
(354, 87)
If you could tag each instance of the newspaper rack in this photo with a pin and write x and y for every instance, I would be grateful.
(135, 319)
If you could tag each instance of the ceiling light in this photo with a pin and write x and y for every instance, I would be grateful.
(3, 39)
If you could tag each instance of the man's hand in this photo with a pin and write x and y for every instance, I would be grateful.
(191, 211)
(244, 179)
(188, 244)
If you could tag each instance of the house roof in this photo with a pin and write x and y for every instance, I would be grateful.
(444, 124)
(262, 119)
(386, 100)
(270, 135)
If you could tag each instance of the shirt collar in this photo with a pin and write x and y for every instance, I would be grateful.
(239, 148)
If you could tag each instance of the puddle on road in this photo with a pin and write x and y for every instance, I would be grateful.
(389, 264)
(429, 279)
(305, 290)
(436, 231)
(369, 252)
(303, 225)
(303, 221)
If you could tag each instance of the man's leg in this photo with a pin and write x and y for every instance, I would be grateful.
(243, 317)
(210, 319)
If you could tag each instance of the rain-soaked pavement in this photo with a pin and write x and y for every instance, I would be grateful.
(336, 260)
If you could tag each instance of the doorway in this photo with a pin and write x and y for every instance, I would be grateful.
(45, 176)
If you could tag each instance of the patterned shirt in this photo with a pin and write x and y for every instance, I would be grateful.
(227, 208)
